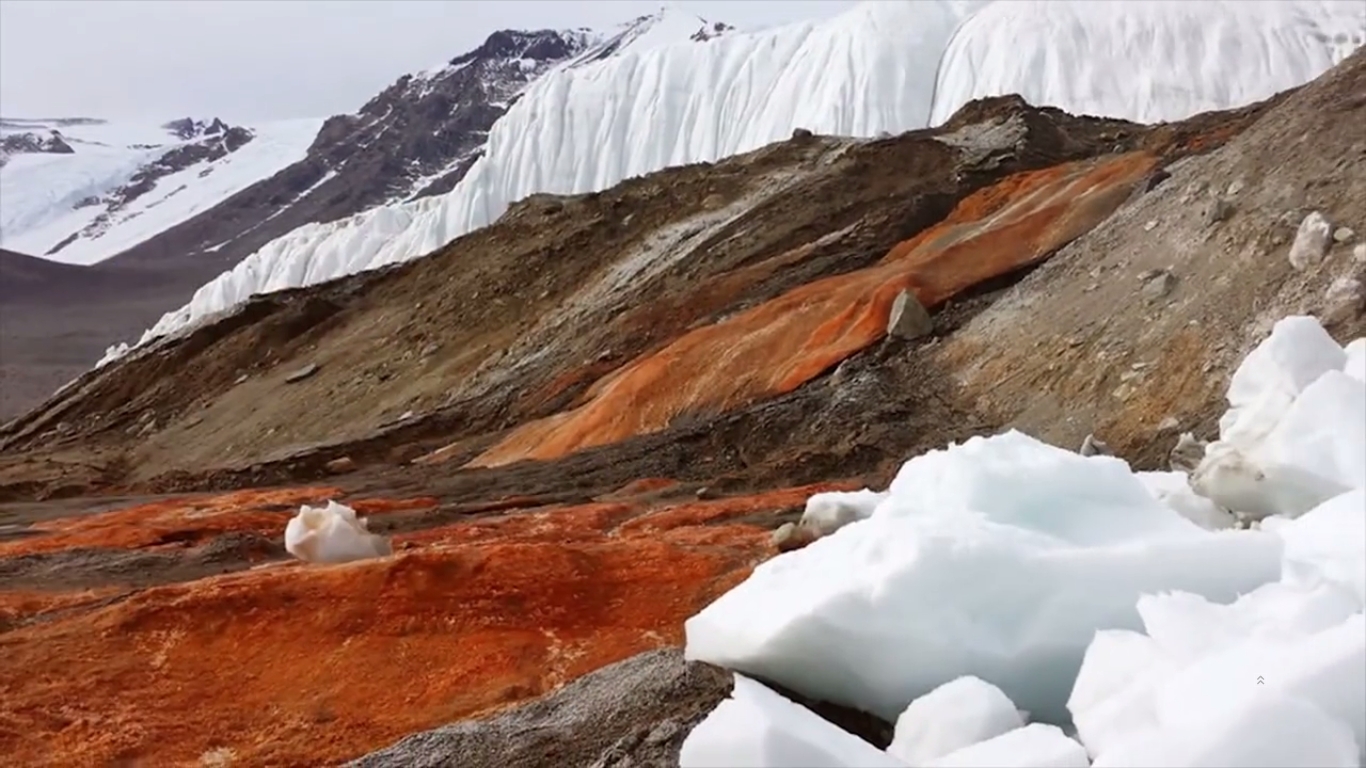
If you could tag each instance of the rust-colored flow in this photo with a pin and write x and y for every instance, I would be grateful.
(781, 344)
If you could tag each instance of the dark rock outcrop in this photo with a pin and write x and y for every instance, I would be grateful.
(32, 142)
(187, 128)
(214, 142)
(633, 713)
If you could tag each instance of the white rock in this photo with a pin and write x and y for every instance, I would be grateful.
(1311, 241)
(1343, 300)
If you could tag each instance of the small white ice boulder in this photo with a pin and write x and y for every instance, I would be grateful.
(957, 714)
(757, 728)
(828, 512)
(332, 534)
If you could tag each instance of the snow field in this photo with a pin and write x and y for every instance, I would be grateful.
(1004, 581)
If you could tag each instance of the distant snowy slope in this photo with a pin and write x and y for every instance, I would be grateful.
(1145, 60)
(123, 183)
(881, 66)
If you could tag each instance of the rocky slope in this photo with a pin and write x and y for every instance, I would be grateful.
(580, 423)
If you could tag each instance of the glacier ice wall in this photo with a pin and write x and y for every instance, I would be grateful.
(884, 65)
(1144, 60)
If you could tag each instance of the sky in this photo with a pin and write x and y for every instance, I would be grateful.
(251, 60)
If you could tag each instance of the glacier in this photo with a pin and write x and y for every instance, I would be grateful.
(880, 66)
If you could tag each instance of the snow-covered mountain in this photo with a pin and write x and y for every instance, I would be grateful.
(881, 66)
(202, 189)
(81, 190)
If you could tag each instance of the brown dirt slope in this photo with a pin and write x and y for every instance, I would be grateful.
(521, 320)
(1078, 346)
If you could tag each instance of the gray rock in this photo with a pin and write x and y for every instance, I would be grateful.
(302, 373)
(1344, 300)
(801, 133)
(1187, 453)
(790, 536)
(1343, 234)
(634, 713)
(1158, 286)
(908, 318)
(1218, 211)
(1094, 447)
(341, 466)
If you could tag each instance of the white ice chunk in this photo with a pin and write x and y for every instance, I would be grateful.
(1173, 489)
(1112, 696)
(1313, 450)
(827, 512)
(1034, 746)
(998, 558)
(1329, 542)
(1297, 352)
(1202, 662)
(1295, 433)
(332, 534)
(1267, 730)
(1356, 360)
(757, 728)
(957, 714)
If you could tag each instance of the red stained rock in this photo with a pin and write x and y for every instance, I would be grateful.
(191, 520)
(783, 343)
(288, 664)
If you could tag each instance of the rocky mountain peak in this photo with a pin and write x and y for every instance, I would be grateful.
(541, 45)
(33, 142)
(187, 128)
(711, 30)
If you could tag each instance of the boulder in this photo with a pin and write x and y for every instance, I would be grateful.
(632, 713)
(908, 319)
